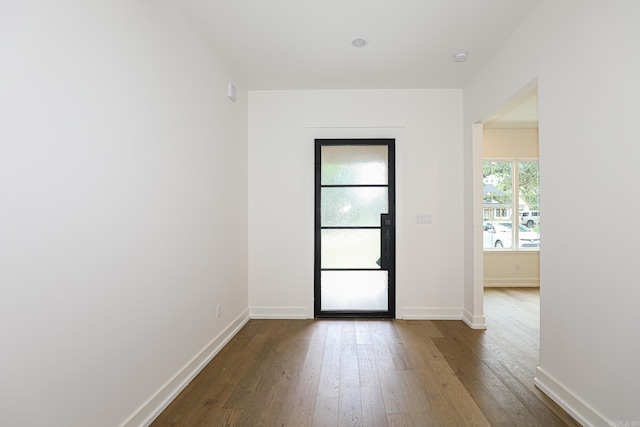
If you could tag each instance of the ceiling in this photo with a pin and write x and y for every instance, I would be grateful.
(305, 44)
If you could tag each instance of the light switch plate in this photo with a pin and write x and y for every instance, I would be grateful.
(423, 219)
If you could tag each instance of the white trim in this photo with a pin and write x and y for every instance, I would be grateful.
(474, 322)
(357, 129)
(474, 301)
(431, 313)
(278, 312)
(157, 403)
(576, 407)
(513, 282)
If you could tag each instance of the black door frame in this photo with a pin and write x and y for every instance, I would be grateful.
(388, 251)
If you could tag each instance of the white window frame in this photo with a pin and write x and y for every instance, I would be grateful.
(515, 199)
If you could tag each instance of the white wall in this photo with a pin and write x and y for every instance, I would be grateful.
(123, 211)
(585, 58)
(282, 128)
(511, 268)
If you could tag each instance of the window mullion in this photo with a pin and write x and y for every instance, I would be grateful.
(515, 218)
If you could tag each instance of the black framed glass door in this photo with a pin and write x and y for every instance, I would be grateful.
(354, 228)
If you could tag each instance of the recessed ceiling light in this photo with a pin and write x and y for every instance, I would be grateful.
(359, 41)
(461, 56)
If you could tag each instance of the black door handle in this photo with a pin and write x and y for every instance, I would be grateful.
(386, 241)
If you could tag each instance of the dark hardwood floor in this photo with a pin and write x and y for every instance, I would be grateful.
(376, 373)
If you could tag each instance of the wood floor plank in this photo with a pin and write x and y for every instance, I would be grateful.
(399, 420)
(326, 411)
(463, 408)
(392, 392)
(306, 387)
(363, 335)
(373, 410)
(367, 366)
(349, 373)
(418, 400)
(349, 407)
(220, 418)
(330, 372)
(418, 339)
(211, 409)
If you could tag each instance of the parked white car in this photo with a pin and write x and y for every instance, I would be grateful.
(530, 218)
(499, 234)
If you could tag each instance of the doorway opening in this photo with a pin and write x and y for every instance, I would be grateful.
(505, 147)
(511, 212)
(354, 268)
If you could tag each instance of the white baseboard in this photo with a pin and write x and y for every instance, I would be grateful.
(430, 313)
(474, 322)
(157, 403)
(578, 409)
(512, 282)
(278, 313)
